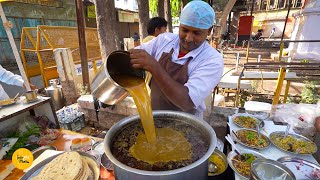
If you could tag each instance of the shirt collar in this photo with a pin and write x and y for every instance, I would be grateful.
(192, 54)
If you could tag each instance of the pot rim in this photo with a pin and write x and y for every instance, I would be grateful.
(112, 131)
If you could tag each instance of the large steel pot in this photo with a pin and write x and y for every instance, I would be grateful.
(196, 170)
(104, 88)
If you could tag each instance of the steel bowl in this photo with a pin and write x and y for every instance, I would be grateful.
(246, 114)
(297, 136)
(223, 157)
(232, 154)
(196, 170)
(265, 169)
(247, 145)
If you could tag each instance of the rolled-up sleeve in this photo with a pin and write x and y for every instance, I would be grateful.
(10, 78)
(204, 78)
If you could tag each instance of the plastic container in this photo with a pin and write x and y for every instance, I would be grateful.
(75, 125)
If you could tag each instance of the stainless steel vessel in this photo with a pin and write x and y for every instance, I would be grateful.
(55, 92)
(104, 88)
(265, 169)
(196, 170)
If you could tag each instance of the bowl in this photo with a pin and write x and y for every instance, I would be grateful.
(223, 157)
(265, 169)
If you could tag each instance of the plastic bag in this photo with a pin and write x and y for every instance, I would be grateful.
(301, 117)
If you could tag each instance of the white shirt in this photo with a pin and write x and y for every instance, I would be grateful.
(9, 78)
(204, 70)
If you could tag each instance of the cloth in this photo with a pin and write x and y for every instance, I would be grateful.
(178, 72)
(147, 39)
(8, 78)
(198, 14)
(204, 70)
(180, 55)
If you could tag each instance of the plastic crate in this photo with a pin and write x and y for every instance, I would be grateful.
(75, 125)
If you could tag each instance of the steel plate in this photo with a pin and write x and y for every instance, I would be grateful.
(246, 114)
(297, 136)
(37, 169)
(244, 144)
(302, 169)
(243, 151)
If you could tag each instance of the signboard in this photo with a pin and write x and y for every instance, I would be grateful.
(78, 68)
(91, 11)
(52, 3)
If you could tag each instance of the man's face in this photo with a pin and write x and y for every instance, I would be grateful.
(191, 38)
(160, 31)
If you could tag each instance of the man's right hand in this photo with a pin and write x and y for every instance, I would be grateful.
(33, 87)
(141, 59)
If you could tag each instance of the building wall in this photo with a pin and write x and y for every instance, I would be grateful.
(32, 15)
(267, 20)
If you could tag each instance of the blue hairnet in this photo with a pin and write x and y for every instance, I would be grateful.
(197, 14)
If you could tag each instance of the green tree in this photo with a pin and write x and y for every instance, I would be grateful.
(175, 7)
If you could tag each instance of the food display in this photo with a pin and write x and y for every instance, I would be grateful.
(250, 138)
(242, 163)
(6, 167)
(246, 121)
(69, 165)
(7, 102)
(293, 143)
(81, 144)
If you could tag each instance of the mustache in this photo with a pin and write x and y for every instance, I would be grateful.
(192, 43)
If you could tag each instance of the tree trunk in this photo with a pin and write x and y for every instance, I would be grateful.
(167, 7)
(107, 26)
(143, 17)
(160, 8)
(184, 3)
(224, 16)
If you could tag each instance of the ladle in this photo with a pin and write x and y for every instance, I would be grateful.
(213, 168)
(287, 131)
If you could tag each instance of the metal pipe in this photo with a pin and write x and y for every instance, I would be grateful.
(247, 53)
(82, 43)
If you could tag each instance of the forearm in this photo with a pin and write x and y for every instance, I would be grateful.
(177, 93)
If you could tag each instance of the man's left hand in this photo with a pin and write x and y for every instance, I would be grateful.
(141, 59)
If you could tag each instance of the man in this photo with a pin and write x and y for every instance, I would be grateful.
(10, 78)
(184, 67)
(156, 26)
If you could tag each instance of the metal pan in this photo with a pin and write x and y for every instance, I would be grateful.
(37, 169)
(296, 136)
(246, 114)
(250, 146)
(243, 151)
(301, 168)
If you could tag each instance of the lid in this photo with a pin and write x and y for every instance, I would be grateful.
(266, 169)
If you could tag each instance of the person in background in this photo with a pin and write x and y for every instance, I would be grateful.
(10, 78)
(272, 33)
(184, 67)
(136, 39)
(156, 26)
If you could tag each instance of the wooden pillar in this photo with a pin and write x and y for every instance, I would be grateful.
(82, 43)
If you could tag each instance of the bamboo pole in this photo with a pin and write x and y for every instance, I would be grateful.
(282, 73)
(82, 44)
(14, 49)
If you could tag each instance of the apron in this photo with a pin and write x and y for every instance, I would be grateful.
(179, 73)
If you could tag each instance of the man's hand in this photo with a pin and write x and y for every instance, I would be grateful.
(141, 59)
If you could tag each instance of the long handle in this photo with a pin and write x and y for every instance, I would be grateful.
(14, 49)
(287, 131)
(232, 144)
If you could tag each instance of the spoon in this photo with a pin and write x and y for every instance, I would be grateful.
(15, 97)
(228, 138)
(287, 131)
(213, 168)
(258, 130)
